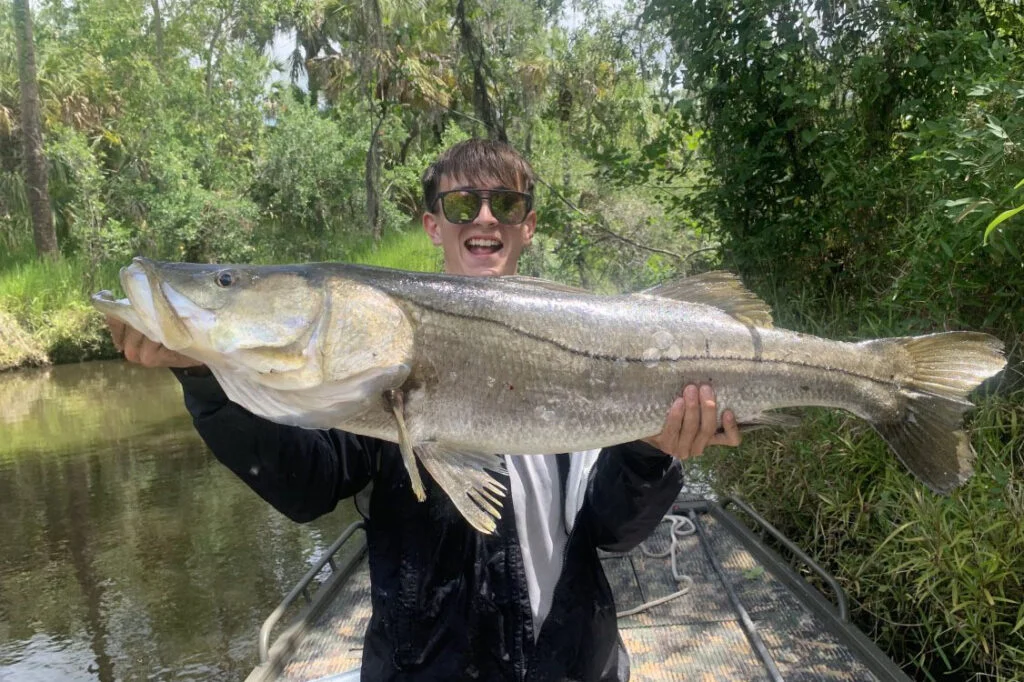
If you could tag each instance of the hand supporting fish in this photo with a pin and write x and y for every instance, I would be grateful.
(520, 366)
(690, 425)
(137, 348)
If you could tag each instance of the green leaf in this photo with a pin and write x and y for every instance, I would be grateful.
(753, 573)
(999, 219)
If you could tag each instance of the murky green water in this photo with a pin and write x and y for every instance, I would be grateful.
(127, 552)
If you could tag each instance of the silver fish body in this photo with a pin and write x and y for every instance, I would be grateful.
(457, 368)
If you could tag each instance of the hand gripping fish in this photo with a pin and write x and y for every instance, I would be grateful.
(455, 368)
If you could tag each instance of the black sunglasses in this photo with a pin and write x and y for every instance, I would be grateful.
(461, 206)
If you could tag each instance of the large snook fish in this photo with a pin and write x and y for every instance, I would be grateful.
(454, 369)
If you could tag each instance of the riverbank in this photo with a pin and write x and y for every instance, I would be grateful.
(17, 347)
(62, 336)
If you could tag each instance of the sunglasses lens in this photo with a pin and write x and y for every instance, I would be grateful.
(461, 207)
(508, 208)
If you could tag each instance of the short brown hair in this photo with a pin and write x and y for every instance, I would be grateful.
(478, 158)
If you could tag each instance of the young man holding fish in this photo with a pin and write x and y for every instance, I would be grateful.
(529, 601)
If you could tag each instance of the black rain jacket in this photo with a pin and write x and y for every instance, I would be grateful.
(450, 603)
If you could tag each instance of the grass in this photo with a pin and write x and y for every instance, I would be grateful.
(49, 301)
(406, 250)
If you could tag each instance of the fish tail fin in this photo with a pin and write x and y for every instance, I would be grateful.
(943, 369)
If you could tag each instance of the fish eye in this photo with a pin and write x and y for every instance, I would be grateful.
(225, 278)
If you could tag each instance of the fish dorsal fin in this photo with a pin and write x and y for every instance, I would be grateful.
(537, 282)
(718, 289)
(465, 479)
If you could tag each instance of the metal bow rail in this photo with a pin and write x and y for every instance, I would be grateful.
(302, 587)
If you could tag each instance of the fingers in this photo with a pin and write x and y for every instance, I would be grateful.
(730, 431)
(142, 350)
(674, 420)
(707, 421)
(131, 344)
(117, 329)
(683, 444)
(691, 425)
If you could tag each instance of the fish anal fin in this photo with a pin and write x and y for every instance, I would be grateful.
(396, 400)
(769, 419)
(718, 289)
(465, 479)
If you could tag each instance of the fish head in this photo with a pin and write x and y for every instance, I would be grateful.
(263, 319)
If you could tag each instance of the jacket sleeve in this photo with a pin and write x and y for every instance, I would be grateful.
(631, 488)
(301, 472)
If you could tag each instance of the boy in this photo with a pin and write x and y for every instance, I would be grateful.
(529, 602)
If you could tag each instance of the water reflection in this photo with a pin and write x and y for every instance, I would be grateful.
(126, 550)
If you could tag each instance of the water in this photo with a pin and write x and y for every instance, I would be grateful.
(127, 552)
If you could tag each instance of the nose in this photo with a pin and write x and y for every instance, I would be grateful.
(485, 217)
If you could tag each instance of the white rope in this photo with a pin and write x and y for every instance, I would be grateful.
(681, 527)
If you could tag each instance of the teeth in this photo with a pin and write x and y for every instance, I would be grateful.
(480, 241)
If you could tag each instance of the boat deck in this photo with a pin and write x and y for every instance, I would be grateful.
(745, 616)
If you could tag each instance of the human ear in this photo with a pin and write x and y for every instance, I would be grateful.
(432, 228)
(529, 227)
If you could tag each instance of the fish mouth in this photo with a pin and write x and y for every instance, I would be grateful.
(483, 246)
(147, 293)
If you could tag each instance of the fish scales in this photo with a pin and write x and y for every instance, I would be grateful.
(580, 400)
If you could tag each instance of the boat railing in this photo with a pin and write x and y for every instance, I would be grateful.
(840, 595)
(302, 587)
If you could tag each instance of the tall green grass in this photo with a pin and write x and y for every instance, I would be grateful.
(49, 300)
(404, 250)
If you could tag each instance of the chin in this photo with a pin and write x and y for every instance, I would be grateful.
(491, 269)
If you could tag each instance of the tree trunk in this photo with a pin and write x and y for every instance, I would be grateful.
(373, 198)
(485, 109)
(158, 31)
(372, 82)
(31, 129)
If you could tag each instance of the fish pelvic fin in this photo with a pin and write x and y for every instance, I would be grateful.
(465, 479)
(718, 289)
(945, 368)
(396, 399)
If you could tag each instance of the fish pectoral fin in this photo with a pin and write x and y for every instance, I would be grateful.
(465, 479)
(721, 290)
(396, 399)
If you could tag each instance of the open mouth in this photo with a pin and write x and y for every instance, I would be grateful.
(483, 246)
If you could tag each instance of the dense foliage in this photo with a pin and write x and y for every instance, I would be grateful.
(857, 151)
(859, 162)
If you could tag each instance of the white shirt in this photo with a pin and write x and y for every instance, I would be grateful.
(543, 522)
